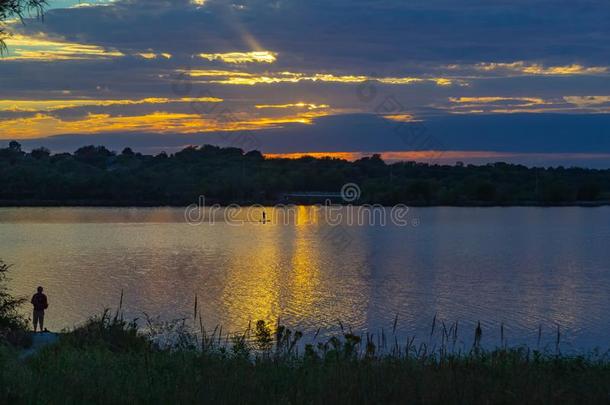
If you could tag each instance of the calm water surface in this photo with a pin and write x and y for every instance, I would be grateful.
(522, 267)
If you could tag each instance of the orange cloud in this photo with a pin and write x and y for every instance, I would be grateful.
(294, 105)
(587, 101)
(241, 57)
(538, 69)
(442, 157)
(61, 104)
(318, 155)
(42, 48)
(43, 125)
(250, 79)
(487, 100)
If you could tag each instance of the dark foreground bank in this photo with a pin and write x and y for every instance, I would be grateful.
(109, 361)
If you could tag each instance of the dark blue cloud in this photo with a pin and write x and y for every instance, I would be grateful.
(344, 37)
(338, 33)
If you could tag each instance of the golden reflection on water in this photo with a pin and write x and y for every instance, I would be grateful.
(86, 215)
(250, 292)
(281, 270)
(520, 266)
(305, 264)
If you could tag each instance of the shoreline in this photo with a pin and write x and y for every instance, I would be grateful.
(226, 204)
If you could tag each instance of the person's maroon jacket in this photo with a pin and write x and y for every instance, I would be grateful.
(39, 300)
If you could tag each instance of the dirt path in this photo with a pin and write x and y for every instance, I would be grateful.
(40, 340)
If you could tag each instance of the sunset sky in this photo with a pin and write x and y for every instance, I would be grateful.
(434, 80)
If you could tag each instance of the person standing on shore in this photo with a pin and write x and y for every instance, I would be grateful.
(40, 303)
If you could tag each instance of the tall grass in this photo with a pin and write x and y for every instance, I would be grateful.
(111, 360)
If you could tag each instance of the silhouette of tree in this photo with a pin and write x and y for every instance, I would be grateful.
(94, 155)
(14, 146)
(40, 153)
(98, 176)
(589, 192)
(19, 9)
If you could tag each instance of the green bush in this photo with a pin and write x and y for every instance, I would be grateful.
(13, 325)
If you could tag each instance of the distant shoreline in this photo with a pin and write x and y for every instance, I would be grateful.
(94, 176)
(160, 204)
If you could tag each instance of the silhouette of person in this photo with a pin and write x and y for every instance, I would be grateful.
(264, 217)
(40, 303)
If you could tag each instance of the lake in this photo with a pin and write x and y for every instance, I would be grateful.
(520, 267)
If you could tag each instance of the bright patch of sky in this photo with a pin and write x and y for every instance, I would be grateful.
(75, 3)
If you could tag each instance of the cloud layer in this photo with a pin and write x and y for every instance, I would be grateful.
(152, 66)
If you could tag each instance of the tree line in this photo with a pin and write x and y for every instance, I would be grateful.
(94, 175)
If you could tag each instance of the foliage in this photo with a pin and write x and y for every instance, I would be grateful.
(13, 326)
(93, 175)
(342, 369)
(112, 333)
(18, 8)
